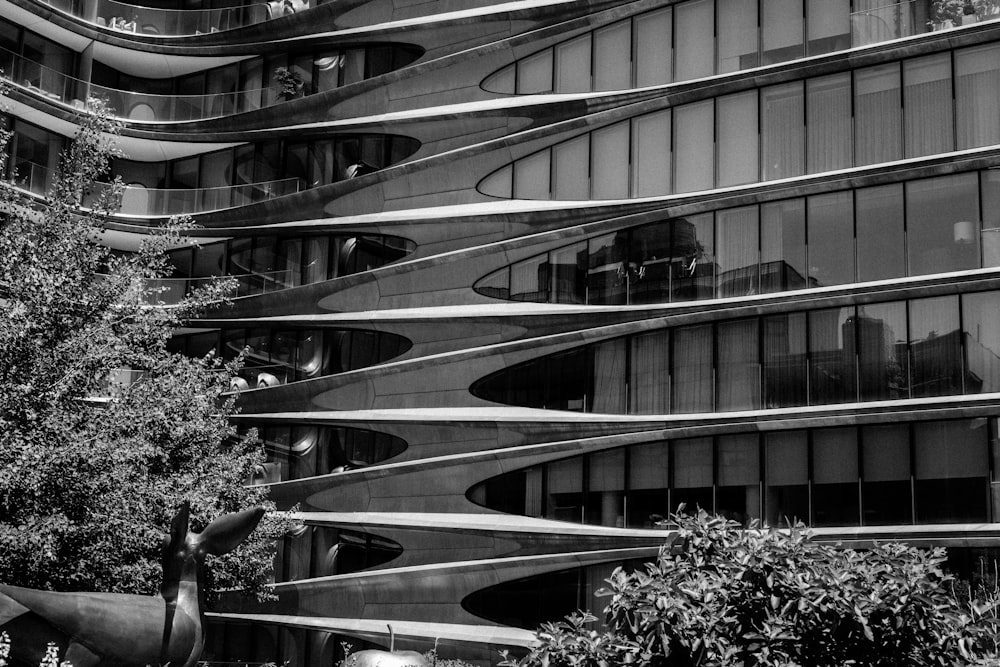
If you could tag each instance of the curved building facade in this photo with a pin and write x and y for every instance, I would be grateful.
(517, 280)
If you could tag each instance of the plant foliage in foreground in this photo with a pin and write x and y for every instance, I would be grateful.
(724, 595)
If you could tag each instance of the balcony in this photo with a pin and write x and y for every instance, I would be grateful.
(915, 17)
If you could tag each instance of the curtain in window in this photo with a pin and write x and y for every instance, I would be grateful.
(828, 123)
(613, 56)
(886, 492)
(531, 176)
(879, 227)
(951, 471)
(692, 374)
(828, 25)
(534, 73)
(877, 115)
(830, 229)
(991, 217)
(782, 130)
(609, 166)
(652, 48)
(876, 21)
(927, 105)
(784, 361)
(651, 154)
(738, 36)
(786, 476)
(977, 96)
(609, 377)
(739, 365)
(570, 177)
(935, 347)
(737, 245)
(783, 246)
(649, 388)
(568, 267)
(692, 463)
(782, 23)
(693, 142)
(573, 65)
(737, 138)
(694, 42)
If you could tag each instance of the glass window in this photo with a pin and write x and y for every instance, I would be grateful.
(608, 272)
(606, 487)
(529, 279)
(831, 357)
(608, 394)
(534, 73)
(649, 382)
(648, 481)
(531, 177)
(783, 246)
(570, 175)
(738, 36)
(878, 127)
(694, 41)
(991, 217)
(942, 228)
(326, 69)
(651, 154)
(828, 25)
(881, 334)
(650, 264)
(738, 365)
(828, 123)
(786, 477)
(693, 472)
(568, 267)
(737, 133)
(879, 228)
(951, 471)
(831, 239)
(835, 491)
(653, 54)
(784, 360)
(354, 67)
(564, 482)
(977, 96)
(782, 23)
(692, 370)
(782, 131)
(935, 347)
(573, 65)
(609, 165)
(693, 141)
(613, 56)
(886, 493)
(737, 496)
(927, 105)
(737, 251)
(693, 264)
(981, 327)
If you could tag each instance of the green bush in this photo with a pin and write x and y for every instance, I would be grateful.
(725, 595)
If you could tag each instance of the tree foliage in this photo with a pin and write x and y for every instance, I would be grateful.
(723, 595)
(92, 468)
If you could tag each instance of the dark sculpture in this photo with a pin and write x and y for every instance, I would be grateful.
(116, 629)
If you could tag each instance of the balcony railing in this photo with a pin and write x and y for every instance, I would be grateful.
(142, 201)
(172, 290)
(174, 22)
(912, 17)
(129, 105)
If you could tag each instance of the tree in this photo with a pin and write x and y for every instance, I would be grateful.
(724, 595)
(92, 469)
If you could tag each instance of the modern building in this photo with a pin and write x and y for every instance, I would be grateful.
(520, 278)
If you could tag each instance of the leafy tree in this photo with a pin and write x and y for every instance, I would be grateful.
(723, 595)
(92, 468)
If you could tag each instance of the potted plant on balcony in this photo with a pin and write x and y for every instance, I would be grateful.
(290, 84)
(946, 14)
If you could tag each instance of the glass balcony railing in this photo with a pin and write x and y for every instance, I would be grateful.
(175, 22)
(915, 17)
(129, 105)
(171, 290)
(142, 201)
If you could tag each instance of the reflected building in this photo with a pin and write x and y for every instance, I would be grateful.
(515, 281)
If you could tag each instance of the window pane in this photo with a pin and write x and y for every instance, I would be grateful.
(573, 65)
(828, 123)
(606, 489)
(927, 105)
(981, 327)
(529, 279)
(784, 360)
(692, 474)
(570, 177)
(737, 251)
(693, 270)
(786, 477)
(648, 482)
(935, 347)
(783, 246)
(651, 154)
(693, 141)
(531, 177)
(881, 335)
(613, 57)
(835, 491)
(879, 228)
(568, 267)
(991, 217)
(694, 43)
(831, 357)
(737, 120)
(649, 389)
(650, 261)
(831, 239)
(565, 490)
(609, 377)
(781, 22)
(828, 25)
(737, 496)
(692, 376)
(534, 73)
(951, 471)
(942, 224)
(608, 276)
(738, 366)
(878, 127)
(782, 131)
(738, 36)
(886, 489)
(977, 96)
(609, 162)
(652, 48)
